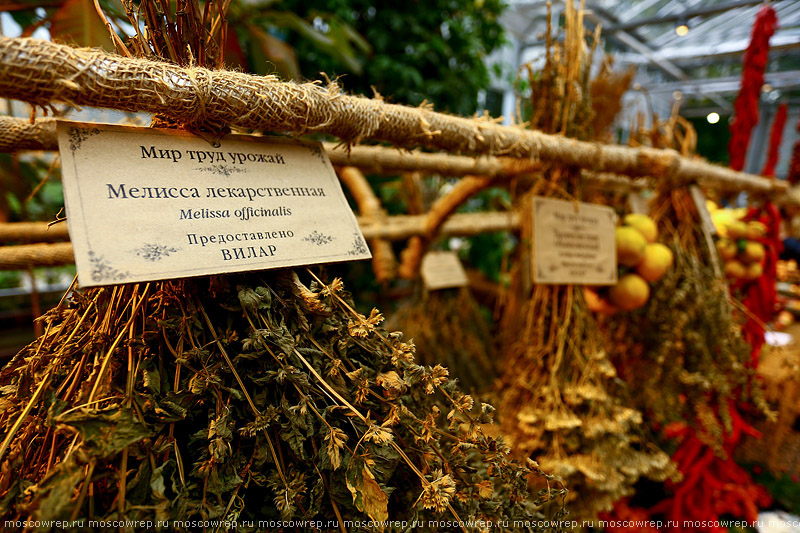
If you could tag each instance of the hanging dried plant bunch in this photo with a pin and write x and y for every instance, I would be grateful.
(448, 328)
(561, 401)
(243, 398)
(684, 354)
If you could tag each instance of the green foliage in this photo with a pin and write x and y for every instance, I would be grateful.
(784, 488)
(421, 51)
(30, 190)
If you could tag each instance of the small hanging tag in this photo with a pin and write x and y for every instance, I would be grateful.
(149, 204)
(707, 227)
(442, 270)
(573, 243)
(637, 203)
(702, 209)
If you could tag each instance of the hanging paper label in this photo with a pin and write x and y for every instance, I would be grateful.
(148, 204)
(702, 209)
(573, 243)
(442, 270)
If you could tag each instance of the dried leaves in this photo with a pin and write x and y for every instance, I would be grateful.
(449, 329)
(249, 399)
(684, 353)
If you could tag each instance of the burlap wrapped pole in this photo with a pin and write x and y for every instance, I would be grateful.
(41, 73)
(35, 255)
(18, 134)
(394, 228)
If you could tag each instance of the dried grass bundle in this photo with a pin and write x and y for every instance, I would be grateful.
(242, 398)
(561, 401)
(448, 328)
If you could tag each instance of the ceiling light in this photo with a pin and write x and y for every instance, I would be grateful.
(712, 118)
(682, 27)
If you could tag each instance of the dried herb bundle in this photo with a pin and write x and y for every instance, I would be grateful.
(686, 358)
(243, 398)
(448, 328)
(561, 401)
(684, 354)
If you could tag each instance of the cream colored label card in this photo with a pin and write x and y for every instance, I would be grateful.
(573, 243)
(442, 270)
(148, 204)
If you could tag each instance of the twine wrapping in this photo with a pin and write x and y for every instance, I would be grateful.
(394, 228)
(17, 134)
(34, 255)
(41, 72)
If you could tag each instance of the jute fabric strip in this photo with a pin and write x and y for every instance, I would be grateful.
(18, 134)
(32, 255)
(33, 232)
(394, 228)
(41, 73)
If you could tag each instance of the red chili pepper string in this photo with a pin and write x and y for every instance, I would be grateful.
(711, 486)
(746, 106)
(761, 294)
(775, 138)
(794, 164)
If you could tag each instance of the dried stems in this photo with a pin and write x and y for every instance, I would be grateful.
(559, 399)
(217, 391)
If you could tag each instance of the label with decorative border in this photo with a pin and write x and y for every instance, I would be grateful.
(573, 243)
(149, 204)
(442, 270)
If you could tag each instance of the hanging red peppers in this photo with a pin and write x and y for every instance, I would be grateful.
(794, 164)
(711, 486)
(746, 106)
(775, 138)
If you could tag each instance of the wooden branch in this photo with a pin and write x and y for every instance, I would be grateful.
(384, 262)
(42, 73)
(18, 134)
(395, 228)
(444, 207)
(23, 232)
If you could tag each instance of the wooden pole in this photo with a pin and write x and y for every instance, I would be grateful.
(43, 73)
(18, 134)
(394, 228)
